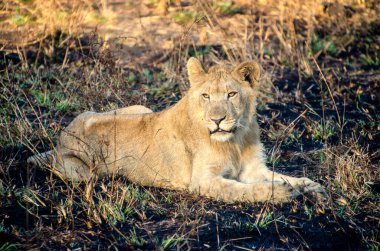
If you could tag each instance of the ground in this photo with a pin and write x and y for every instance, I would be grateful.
(318, 113)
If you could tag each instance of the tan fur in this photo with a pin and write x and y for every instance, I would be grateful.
(208, 143)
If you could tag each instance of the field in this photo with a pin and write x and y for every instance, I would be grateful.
(318, 111)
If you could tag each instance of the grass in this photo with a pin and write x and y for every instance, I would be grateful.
(226, 7)
(183, 18)
(317, 111)
(319, 45)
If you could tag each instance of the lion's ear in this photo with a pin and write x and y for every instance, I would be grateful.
(195, 71)
(248, 72)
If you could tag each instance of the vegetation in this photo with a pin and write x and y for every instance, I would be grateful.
(318, 110)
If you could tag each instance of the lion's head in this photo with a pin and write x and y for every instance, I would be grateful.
(223, 98)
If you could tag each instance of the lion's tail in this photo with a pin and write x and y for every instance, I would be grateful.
(41, 159)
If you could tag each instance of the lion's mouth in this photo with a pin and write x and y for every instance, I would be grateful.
(219, 130)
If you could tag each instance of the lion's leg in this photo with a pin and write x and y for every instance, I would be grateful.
(256, 170)
(207, 179)
(72, 168)
(232, 190)
(302, 185)
(76, 157)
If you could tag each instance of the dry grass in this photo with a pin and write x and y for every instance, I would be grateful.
(318, 114)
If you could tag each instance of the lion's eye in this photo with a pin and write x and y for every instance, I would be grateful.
(205, 95)
(231, 94)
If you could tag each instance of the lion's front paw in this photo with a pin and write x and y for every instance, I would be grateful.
(284, 193)
(307, 186)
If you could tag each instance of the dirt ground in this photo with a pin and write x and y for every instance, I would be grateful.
(318, 112)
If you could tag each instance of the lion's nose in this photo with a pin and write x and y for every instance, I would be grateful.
(218, 120)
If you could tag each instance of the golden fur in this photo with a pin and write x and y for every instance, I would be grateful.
(208, 143)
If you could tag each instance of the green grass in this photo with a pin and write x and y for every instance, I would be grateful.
(370, 61)
(226, 7)
(20, 20)
(326, 45)
(9, 247)
(322, 132)
(184, 18)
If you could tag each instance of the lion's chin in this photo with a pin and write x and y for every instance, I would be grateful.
(222, 136)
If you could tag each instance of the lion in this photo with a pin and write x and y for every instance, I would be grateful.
(208, 143)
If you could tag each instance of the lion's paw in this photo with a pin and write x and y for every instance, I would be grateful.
(307, 186)
(284, 193)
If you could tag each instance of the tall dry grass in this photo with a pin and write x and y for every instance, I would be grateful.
(25, 22)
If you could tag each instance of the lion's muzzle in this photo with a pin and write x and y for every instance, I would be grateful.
(219, 130)
(222, 129)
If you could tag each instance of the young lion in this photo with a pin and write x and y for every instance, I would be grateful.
(209, 142)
